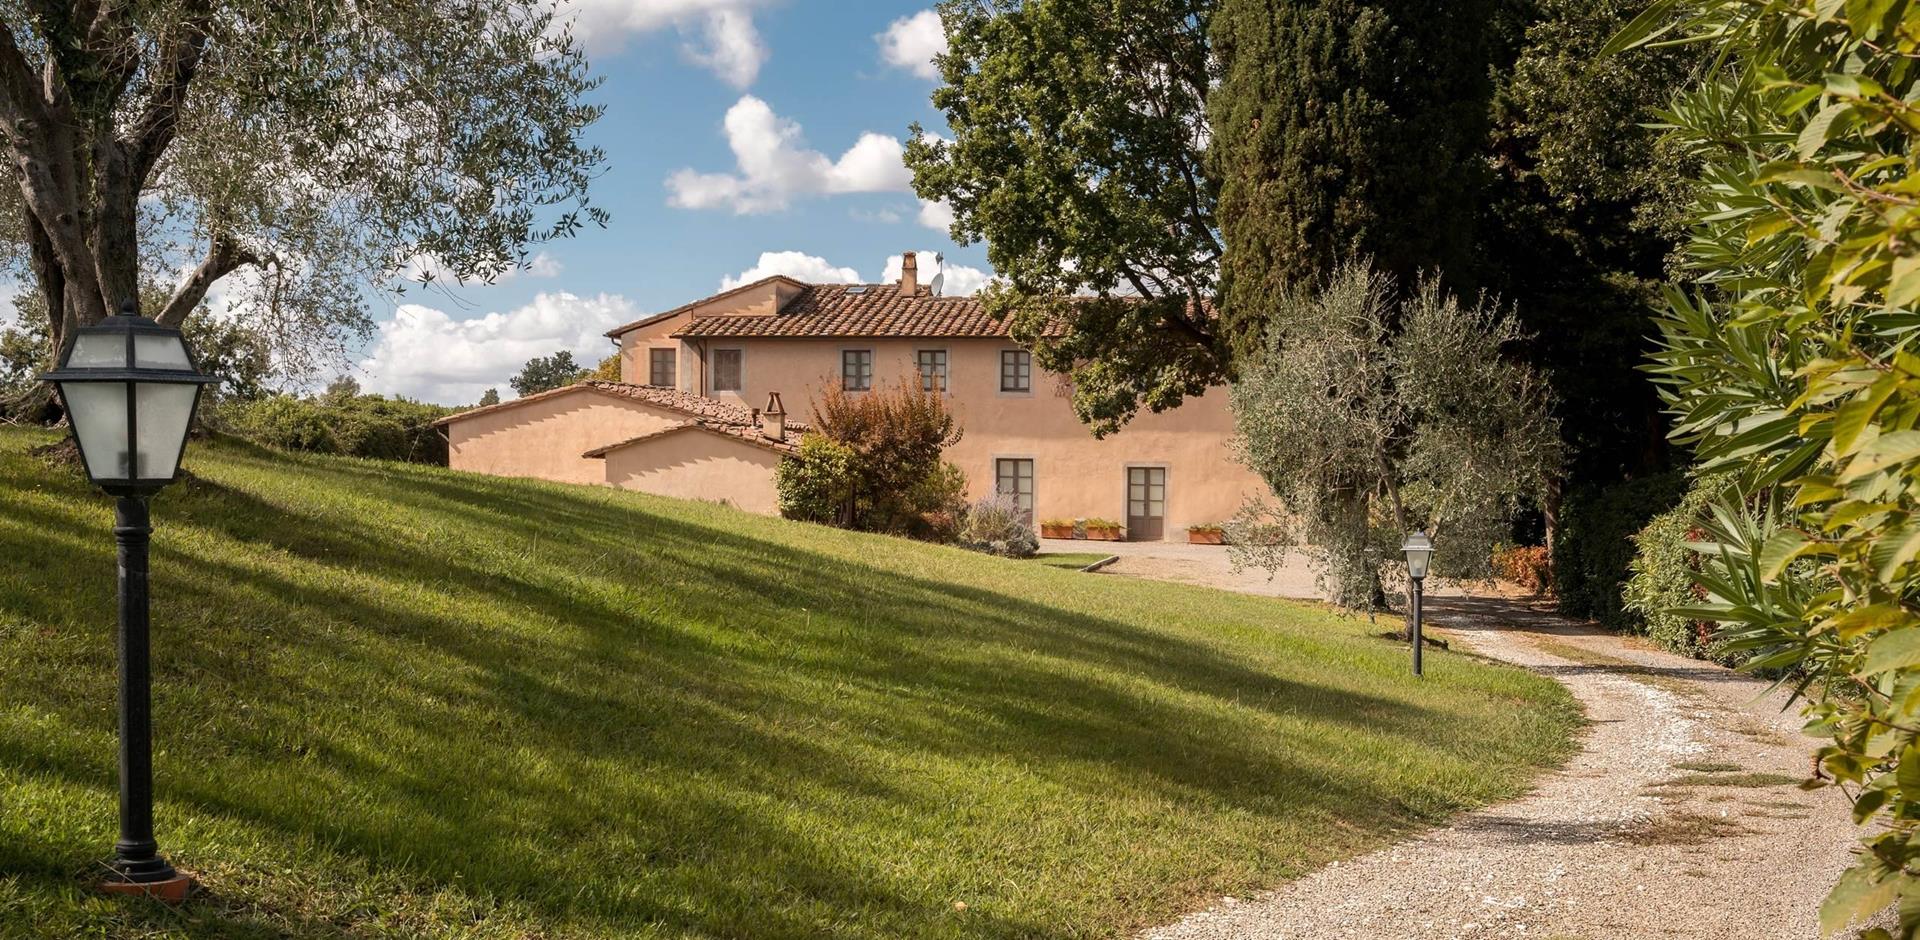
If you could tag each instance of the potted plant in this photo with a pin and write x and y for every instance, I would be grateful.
(1056, 528)
(1206, 533)
(1103, 530)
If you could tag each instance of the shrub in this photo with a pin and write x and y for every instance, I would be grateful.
(884, 473)
(997, 526)
(353, 426)
(817, 484)
(1664, 572)
(1207, 528)
(1098, 523)
(1526, 565)
(1593, 545)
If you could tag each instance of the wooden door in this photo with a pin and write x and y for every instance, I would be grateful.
(1146, 504)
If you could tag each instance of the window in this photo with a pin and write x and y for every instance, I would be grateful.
(662, 367)
(1016, 370)
(856, 369)
(726, 370)
(933, 370)
(1013, 479)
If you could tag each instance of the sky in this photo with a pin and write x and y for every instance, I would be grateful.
(743, 138)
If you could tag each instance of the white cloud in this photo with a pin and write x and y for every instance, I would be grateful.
(936, 215)
(424, 353)
(420, 266)
(911, 42)
(722, 35)
(774, 166)
(960, 280)
(810, 268)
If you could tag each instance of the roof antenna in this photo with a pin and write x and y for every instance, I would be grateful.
(939, 274)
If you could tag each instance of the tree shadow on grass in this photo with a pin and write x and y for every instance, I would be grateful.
(658, 721)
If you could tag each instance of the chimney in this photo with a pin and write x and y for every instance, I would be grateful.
(773, 420)
(909, 274)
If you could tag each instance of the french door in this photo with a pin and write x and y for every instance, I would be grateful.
(1146, 503)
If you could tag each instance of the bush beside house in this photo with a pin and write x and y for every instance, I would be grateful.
(871, 462)
(349, 425)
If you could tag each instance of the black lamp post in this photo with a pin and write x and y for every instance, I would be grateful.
(1419, 551)
(129, 388)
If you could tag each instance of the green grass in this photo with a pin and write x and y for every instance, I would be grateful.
(1071, 560)
(396, 701)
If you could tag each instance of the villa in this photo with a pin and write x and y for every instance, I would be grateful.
(701, 411)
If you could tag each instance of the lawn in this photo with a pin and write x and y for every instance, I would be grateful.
(1073, 561)
(397, 701)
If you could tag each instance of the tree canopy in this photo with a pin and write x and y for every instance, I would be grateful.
(300, 151)
(546, 373)
(1078, 157)
(1370, 414)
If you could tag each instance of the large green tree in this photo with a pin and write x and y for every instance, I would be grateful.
(1078, 157)
(301, 149)
(1346, 128)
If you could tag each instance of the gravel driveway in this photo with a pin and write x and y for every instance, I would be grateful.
(1679, 818)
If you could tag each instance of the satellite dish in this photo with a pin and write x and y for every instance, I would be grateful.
(938, 280)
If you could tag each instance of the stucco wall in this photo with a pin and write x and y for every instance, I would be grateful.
(1076, 476)
(545, 438)
(698, 465)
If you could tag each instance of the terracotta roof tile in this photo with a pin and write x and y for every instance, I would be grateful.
(831, 310)
(750, 435)
(711, 413)
(656, 317)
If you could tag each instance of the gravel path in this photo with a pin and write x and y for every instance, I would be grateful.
(1679, 818)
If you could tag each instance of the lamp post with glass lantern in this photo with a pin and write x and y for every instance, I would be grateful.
(129, 388)
(1419, 551)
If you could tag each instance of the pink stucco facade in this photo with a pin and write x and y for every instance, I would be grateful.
(546, 437)
(1162, 471)
(694, 464)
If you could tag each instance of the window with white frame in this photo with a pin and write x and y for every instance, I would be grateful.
(727, 370)
(933, 370)
(856, 369)
(1016, 370)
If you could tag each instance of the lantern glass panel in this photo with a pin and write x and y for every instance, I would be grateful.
(159, 351)
(165, 410)
(99, 351)
(99, 414)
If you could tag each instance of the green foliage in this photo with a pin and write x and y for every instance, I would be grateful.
(1345, 129)
(1663, 579)
(997, 527)
(396, 702)
(818, 484)
(1365, 431)
(1078, 156)
(607, 371)
(884, 473)
(1593, 544)
(489, 397)
(346, 424)
(546, 373)
(1790, 371)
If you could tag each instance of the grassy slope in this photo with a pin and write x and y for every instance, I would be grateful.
(399, 701)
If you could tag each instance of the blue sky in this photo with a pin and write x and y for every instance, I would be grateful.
(734, 129)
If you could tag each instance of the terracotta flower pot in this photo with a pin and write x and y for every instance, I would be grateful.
(1206, 536)
(1056, 531)
(1103, 535)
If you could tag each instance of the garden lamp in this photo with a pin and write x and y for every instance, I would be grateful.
(1419, 549)
(129, 388)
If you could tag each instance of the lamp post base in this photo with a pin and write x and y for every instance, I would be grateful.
(173, 887)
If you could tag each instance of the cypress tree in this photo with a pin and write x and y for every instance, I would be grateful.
(1346, 129)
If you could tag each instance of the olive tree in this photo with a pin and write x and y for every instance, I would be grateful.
(1371, 413)
(296, 150)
